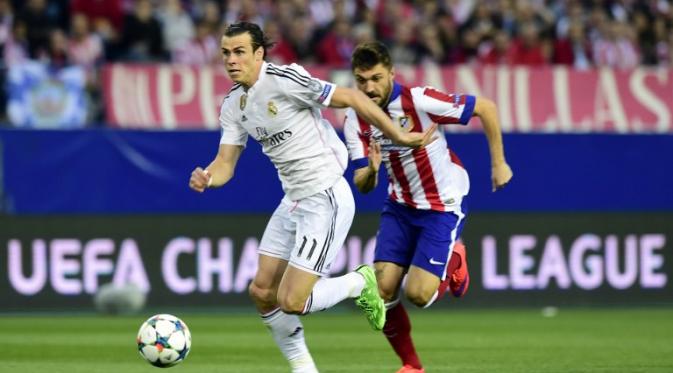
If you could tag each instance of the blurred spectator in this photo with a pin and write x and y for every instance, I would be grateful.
(281, 53)
(336, 47)
(431, 47)
(105, 16)
(35, 16)
(57, 53)
(300, 36)
(243, 10)
(527, 48)
(142, 39)
(498, 52)
(6, 18)
(16, 45)
(403, 47)
(203, 49)
(615, 47)
(84, 48)
(573, 49)
(176, 25)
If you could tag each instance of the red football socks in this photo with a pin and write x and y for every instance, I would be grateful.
(454, 263)
(398, 331)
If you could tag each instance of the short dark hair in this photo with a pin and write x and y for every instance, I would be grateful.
(369, 54)
(256, 34)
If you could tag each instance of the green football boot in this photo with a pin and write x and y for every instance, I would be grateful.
(369, 300)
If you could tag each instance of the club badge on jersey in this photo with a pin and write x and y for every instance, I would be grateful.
(272, 109)
(406, 123)
(244, 100)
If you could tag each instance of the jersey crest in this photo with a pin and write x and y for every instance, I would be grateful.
(406, 123)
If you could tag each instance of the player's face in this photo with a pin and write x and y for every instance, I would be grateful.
(241, 62)
(377, 82)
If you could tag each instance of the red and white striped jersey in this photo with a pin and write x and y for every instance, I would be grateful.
(430, 178)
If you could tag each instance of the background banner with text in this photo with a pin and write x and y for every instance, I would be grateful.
(529, 100)
(206, 260)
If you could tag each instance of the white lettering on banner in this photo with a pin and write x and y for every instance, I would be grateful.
(95, 265)
(34, 283)
(167, 96)
(247, 265)
(489, 266)
(587, 270)
(553, 265)
(648, 99)
(130, 268)
(169, 265)
(63, 269)
(220, 266)
(207, 102)
(608, 105)
(624, 279)
(131, 96)
(590, 262)
(563, 121)
(522, 93)
(650, 261)
(504, 100)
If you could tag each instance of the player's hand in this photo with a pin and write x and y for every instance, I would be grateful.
(374, 155)
(501, 174)
(417, 139)
(200, 179)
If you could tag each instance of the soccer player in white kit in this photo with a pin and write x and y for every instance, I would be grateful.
(423, 217)
(279, 106)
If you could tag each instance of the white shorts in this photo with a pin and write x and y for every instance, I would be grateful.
(310, 232)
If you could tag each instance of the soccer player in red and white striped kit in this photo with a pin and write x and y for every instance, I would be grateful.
(423, 217)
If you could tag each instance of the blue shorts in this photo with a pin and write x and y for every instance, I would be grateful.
(423, 238)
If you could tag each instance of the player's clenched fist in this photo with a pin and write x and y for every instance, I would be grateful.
(200, 179)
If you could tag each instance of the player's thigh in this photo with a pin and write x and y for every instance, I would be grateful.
(322, 221)
(396, 237)
(421, 284)
(389, 278)
(279, 235)
(439, 232)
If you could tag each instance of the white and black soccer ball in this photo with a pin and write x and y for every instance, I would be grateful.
(164, 340)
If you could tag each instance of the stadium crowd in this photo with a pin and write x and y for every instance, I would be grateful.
(579, 33)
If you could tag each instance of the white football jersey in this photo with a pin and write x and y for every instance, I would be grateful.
(282, 112)
(429, 178)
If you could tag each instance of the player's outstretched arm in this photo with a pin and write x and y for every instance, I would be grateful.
(369, 111)
(366, 178)
(219, 171)
(501, 173)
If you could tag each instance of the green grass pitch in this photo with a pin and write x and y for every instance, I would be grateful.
(495, 340)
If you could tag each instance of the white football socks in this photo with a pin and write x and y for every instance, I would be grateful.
(288, 333)
(329, 291)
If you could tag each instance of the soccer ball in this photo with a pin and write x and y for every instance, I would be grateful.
(164, 340)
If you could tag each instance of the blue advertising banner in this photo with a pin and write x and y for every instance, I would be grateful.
(109, 171)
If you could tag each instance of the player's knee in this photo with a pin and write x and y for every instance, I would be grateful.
(388, 294)
(291, 305)
(419, 295)
(262, 295)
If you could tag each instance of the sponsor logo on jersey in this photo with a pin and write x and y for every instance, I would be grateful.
(261, 132)
(273, 140)
(272, 109)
